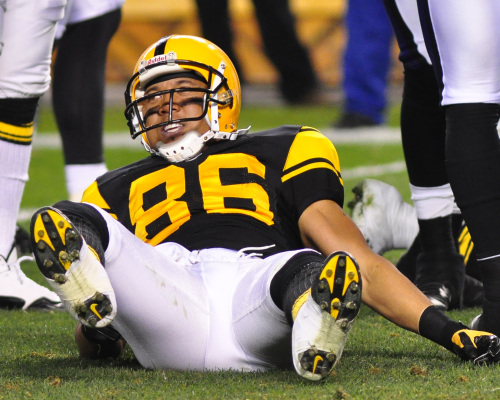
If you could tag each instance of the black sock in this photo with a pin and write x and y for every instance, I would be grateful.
(408, 261)
(294, 278)
(490, 271)
(436, 235)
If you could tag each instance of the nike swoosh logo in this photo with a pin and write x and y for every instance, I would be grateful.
(93, 307)
(317, 359)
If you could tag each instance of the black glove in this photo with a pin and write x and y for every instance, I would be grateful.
(480, 347)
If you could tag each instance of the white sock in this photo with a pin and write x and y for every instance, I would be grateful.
(14, 164)
(80, 176)
(433, 202)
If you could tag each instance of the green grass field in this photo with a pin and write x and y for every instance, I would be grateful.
(38, 358)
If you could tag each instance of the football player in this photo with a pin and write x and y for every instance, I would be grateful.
(465, 55)
(439, 269)
(222, 249)
(82, 40)
(387, 222)
(27, 32)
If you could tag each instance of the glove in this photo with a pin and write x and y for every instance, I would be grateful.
(482, 348)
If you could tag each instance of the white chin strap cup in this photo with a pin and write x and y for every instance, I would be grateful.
(185, 148)
(190, 145)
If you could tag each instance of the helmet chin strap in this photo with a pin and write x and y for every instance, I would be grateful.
(185, 148)
(190, 145)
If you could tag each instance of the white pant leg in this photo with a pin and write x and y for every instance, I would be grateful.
(409, 12)
(83, 10)
(208, 309)
(28, 35)
(467, 35)
(161, 301)
(247, 331)
(260, 327)
(2, 12)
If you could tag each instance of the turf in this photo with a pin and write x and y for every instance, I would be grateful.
(38, 358)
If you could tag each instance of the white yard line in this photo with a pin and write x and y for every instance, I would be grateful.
(379, 135)
(370, 135)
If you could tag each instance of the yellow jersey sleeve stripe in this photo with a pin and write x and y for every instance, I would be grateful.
(320, 164)
(16, 134)
(309, 144)
(310, 149)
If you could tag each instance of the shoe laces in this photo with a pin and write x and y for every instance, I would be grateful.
(16, 267)
(243, 252)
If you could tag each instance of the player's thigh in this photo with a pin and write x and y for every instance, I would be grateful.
(466, 34)
(161, 302)
(141, 273)
(28, 36)
(404, 18)
(260, 326)
(83, 10)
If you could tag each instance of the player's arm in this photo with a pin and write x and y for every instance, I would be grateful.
(98, 343)
(324, 226)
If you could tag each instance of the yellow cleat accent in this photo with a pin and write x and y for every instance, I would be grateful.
(298, 303)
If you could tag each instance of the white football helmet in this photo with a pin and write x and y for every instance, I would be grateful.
(195, 57)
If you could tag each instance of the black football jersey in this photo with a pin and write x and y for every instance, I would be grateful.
(249, 192)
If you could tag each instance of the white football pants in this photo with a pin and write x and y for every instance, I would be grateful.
(199, 310)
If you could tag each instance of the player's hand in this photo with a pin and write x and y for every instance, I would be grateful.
(477, 346)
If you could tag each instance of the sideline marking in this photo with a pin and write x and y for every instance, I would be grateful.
(368, 135)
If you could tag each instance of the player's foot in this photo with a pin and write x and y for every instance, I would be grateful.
(72, 268)
(441, 278)
(438, 294)
(18, 291)
(323, 321)
(385, 220)
(476, 323)
(489, 320)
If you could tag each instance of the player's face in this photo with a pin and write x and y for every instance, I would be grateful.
(184, 104)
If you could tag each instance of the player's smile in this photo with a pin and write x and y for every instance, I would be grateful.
(170, 133)
(185, 104)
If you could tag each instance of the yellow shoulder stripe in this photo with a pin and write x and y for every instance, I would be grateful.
(310, 149)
